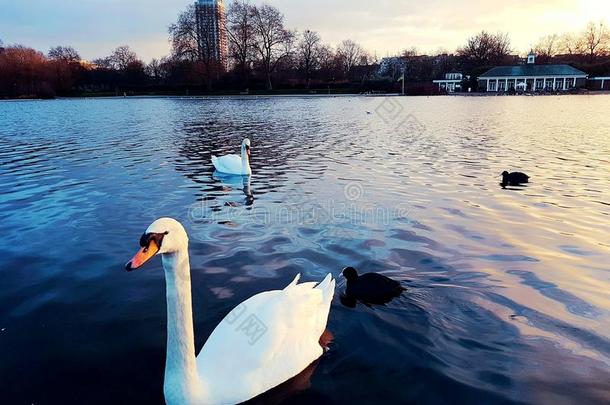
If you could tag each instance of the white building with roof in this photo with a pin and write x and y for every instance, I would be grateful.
(532, 77)
(451, 83)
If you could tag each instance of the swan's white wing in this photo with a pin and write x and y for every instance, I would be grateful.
(265, 341)
(231, 164)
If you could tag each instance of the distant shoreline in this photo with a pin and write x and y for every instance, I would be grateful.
(297, 95)
(491, 94)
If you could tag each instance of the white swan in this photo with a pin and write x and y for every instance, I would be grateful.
(263, 342)
(233, 164)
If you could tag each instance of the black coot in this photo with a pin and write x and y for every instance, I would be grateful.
(514, 179)
(369, 288)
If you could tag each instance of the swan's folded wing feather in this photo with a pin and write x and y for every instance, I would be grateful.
(228, 163)
(265, 341)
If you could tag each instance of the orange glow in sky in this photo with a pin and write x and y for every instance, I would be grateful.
(384, 27)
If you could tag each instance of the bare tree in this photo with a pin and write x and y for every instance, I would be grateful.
(198, 46)
(183, 36)
(64, 63)
(122, 57)
(349, 54)
(547, 47)
(240, 30)
(327, 61)
(367, 66)
(596, 40)
(410, 52)
(104, 63)
(486, 49)
(23, 71)
(308, 54)
(417, 67)
(153, 69)
(272, 41)
(64, 54)
(570, 44)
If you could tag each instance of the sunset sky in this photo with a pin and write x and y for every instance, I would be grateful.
(95, 27)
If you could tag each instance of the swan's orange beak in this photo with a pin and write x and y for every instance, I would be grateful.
(143, 255)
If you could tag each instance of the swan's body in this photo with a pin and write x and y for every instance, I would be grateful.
(234, 164)
(260, 344)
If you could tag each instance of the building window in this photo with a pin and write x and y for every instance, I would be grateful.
(501, 85)
(569, 83)
(539, 84)
(492, 85)
(549, 84)
(559, 84)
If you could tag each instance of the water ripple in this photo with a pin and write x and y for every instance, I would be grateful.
(503, 285)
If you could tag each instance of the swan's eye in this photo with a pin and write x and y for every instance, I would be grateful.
(146, 238)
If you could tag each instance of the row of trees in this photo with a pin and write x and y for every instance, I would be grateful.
(264, 53)
(260, 46)
(25, 71)
(593, 42)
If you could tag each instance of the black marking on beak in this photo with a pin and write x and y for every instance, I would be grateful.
(148, 241)
(144, 239)
(157, 237)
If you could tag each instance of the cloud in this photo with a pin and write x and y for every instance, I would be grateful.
(95, 27)
(392, 25)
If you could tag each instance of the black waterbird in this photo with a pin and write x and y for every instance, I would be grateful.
(369, 288)
(514, 179)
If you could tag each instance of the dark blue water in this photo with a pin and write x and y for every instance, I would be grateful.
(507, 290)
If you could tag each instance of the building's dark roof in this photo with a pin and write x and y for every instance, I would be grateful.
(533, 70)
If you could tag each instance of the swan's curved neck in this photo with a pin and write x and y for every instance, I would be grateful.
(245, 159)
(181, 378)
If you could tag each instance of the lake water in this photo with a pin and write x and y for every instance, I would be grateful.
(507, 295)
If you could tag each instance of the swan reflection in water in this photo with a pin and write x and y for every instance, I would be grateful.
(231, 182)
(290, 389)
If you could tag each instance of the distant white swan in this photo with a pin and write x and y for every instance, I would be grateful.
(263, 342)
(233, 164)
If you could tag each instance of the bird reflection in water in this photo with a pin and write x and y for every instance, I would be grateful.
(231, 182)
(289, 389)
(299, 384)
